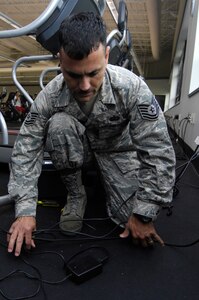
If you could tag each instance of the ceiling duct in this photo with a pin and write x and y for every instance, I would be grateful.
(153, 12)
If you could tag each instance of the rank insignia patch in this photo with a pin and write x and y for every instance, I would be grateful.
(30, 119)
(149, 112)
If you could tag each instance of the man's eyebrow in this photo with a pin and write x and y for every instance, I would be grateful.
(79, 75)
(72, 74)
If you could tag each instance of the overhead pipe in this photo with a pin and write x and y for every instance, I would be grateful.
(153, 13)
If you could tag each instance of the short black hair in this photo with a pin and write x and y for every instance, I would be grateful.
(81, 34)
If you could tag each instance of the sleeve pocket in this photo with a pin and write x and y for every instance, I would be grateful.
(126, 161)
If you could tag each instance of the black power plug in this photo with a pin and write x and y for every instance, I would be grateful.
(83, 268)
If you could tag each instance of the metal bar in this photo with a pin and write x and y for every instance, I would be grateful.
(41, 79)
(25, 59)
(4, 129)
(31, 28)
(102, 5)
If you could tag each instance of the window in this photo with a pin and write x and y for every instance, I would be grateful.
(194, 82)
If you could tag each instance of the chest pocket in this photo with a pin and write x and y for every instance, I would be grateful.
(108, 125)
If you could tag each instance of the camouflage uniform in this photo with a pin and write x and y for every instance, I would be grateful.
(125, 131)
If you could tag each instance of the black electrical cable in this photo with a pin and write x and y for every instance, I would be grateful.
(39, 278)
(48, 252)
(181, 173)
(182, 245)
(93, 237)
(194, 156)
(103, 260)
(191, 185)
(89, 219)
(28, 275)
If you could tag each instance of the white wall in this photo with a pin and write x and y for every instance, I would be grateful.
(187, 104)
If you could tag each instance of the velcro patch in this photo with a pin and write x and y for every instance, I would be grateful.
(30, 119)
(149, 112)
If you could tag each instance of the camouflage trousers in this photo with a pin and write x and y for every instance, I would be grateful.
(69, 148)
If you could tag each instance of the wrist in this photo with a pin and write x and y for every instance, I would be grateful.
(143, 219)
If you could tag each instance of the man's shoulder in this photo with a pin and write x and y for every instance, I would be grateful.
(55, 85)
(46, 99)
(120, 76)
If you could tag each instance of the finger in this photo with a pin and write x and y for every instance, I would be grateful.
(10, 232)
(19, 243)
(33, 244)
(158, 239)
(144, 243)
(125, 233)
(32, 241)
(149, 242)
(28, 240)
(8, 237)
(11, 241)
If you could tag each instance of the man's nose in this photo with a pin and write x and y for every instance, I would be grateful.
(84, 83)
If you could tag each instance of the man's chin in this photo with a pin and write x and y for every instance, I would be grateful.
(85, 98)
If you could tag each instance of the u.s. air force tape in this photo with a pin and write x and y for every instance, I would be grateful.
(149, 111)
(30, 119)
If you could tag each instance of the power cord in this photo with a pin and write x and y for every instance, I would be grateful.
(186, 165)
(89, 237)
(182, 245)
(81, 266)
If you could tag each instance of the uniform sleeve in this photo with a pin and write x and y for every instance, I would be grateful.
(27, 157)
(150, 137)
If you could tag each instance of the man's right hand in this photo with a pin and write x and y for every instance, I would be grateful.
(21, 232)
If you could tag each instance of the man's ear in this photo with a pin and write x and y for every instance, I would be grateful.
(107, 53)
(59, 57)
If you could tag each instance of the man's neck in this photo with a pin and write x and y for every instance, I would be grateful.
(87, 107)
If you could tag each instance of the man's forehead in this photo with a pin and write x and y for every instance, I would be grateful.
(90, 64)
(81, 74)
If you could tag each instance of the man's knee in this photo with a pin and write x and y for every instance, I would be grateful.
(65, 141)
(62, 122)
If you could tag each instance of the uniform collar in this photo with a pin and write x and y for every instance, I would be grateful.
(106, 95)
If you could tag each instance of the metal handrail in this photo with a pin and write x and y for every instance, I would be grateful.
(44, 72)
(30, 28)
(26, 30)
(4, 129)
(25, 59)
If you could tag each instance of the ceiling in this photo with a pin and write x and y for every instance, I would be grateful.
(153, 25)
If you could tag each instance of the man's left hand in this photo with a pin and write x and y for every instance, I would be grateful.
(142, 233)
